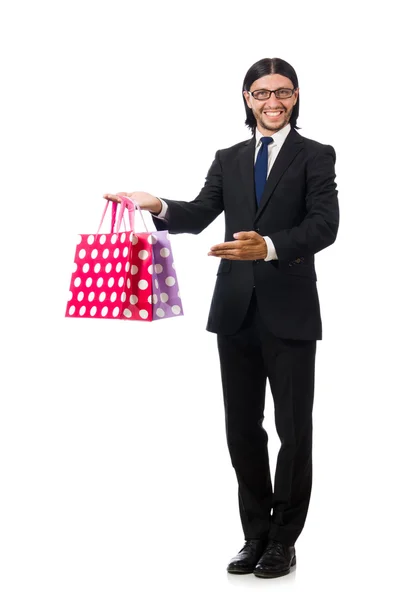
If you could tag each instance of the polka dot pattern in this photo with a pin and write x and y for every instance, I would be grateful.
(104, 264)
(165, 280)
(131, 276)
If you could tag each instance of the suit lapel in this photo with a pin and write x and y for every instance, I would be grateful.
(246, 165)
(292, 146)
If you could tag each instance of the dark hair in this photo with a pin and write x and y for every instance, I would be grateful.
(269, 66)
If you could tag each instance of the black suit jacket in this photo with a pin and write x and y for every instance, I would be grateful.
(299, 211)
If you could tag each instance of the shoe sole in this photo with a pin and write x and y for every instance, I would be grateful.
(240, 571)
(270, 575)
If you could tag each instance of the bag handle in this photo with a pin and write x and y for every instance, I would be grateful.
(131, 205)
(114, 211)
(126, 203)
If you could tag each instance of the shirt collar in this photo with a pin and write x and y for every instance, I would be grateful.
(278, 137)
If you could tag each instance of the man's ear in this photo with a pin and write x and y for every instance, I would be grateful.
(247, 99)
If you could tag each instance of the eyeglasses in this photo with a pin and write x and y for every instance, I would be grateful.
(281, 94)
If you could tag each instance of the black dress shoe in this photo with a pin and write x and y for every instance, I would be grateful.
(277, 560)
(248, 557)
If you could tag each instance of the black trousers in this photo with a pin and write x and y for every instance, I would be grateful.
(247, 359)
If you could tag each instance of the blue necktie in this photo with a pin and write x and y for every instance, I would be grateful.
(261, 168)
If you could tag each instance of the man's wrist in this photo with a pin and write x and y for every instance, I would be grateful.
(163, 213)
(265, 250)
(158, 210)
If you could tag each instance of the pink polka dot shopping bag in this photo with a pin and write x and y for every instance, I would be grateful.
(124, 274)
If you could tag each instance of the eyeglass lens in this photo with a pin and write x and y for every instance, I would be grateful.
(265, 94)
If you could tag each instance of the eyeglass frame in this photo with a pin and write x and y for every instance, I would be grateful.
(271, 92)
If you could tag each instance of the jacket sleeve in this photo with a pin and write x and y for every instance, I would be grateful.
(320, 225)
(193, 217)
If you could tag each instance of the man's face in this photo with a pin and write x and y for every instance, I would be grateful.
(263, 110)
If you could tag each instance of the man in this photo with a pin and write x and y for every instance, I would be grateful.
(281, 207)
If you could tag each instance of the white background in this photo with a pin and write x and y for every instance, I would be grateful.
(115, 476)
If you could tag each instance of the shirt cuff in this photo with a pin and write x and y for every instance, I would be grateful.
(163, 214)
(271, 251)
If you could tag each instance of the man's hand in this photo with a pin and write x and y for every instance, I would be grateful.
(146, 201)
(249, 245)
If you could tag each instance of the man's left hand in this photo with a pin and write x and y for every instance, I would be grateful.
(249, 245)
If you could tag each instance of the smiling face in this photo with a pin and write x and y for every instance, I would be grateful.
(273, 114)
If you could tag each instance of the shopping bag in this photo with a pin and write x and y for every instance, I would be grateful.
(124, 274)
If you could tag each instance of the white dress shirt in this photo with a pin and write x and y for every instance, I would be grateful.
(273, 150)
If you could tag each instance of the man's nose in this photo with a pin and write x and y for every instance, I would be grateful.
(273, 102)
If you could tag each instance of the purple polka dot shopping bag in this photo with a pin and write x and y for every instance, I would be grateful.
(124, 274)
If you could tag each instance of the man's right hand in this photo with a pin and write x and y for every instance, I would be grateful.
(144, 200)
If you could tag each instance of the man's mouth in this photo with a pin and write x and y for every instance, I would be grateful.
(273, 114)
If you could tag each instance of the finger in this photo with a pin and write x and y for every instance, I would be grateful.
(111, 197)
(225, 246)
(224, 253)
(126, 194)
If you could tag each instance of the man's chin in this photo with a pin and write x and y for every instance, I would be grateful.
(275, 125)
